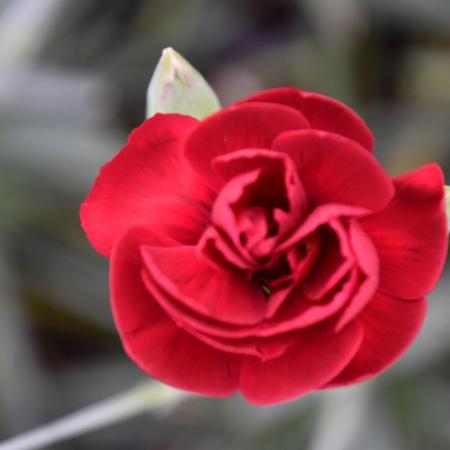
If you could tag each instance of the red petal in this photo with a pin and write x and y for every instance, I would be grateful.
(182, 220)
(263, 184)
(223, 295)
(214, 332)
(367, 260)
(296, 311)
(152, 339)
(389, 325)
(306, 366)
(323, 113)
(247, 160)
(238, 127)
(323, 215)
(336, 169)
(335, 260)
(220, 252)
(264, 349)
(150, 167)
(410, 234)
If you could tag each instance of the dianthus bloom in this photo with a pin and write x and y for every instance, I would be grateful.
(264, 249)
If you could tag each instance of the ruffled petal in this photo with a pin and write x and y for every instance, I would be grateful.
(151, 338)
(263, 348)
(296, 311)
(367, 261)
(223, 213)
(343, 280)
(286, 189)
(214, 331)
(306, 365)
(322, 112)
(261, 203)
(334, 261)
(390, 325)
(149, 170)
(237, 127)
(334, 169)
(323, 215)
(410, 234)
(223, 295)
(220, 252)
(182, 220)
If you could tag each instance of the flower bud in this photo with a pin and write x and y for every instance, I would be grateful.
(176, 87)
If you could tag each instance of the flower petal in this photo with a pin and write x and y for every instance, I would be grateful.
(297, 311)
(150, 167)
(262, 202)
(305, 366)
(240, 126)
(410, 234)
(389, 325)
(263, 348)
(334, 169)
(213, 331)
(323, 215)
(182, 220)
(323, 113)
(368, 263)
(151, 338)
(217, 250)
(334, 261)
(280, 164)
(224, 295)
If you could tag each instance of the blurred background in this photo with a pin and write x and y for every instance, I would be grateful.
(73, 77)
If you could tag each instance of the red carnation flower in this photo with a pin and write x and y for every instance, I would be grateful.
(264, 249)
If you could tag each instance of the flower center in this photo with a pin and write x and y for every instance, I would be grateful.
(261, 203)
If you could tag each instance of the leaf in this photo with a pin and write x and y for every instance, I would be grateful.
(176, 87)
(447, 202)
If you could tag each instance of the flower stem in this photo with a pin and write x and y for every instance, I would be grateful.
(149, 396)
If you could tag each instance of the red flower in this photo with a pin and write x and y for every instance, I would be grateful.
(264, 249)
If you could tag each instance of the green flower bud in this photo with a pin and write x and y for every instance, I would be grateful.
(176, 87)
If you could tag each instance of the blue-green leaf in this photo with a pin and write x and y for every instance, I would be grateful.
(447, 203)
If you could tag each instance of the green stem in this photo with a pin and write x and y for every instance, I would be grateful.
(150, 396)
